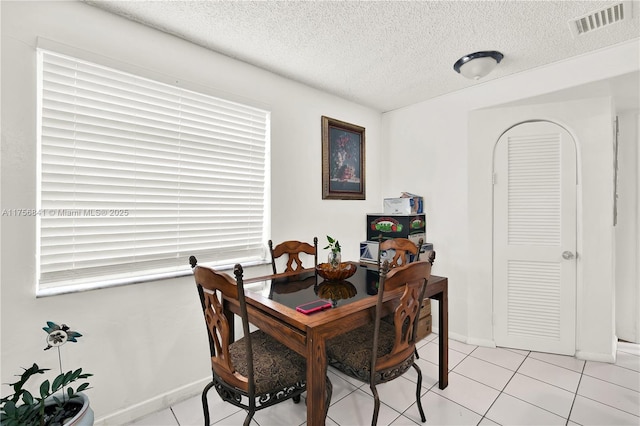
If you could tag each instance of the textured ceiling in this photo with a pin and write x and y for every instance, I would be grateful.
(383, 54)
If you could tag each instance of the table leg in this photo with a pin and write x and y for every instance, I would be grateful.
(316, 383)
(443, 319)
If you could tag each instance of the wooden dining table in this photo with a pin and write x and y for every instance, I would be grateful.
(271, 305)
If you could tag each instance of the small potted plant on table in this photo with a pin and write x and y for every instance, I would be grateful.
(335, 256)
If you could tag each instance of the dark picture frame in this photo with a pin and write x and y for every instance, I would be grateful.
(343, 160)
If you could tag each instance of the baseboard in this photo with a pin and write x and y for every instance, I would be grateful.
(596, 356)
(487, 343)
(468, 340)
(628, 334)
(458, 337)
(154, 404)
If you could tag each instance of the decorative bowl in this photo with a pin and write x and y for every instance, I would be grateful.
(342, 272)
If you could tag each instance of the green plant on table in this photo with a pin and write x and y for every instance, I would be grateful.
(22, 408)
(334, 245)
(334, 256)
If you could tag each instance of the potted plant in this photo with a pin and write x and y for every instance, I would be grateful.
(335, 256)
(57, 402)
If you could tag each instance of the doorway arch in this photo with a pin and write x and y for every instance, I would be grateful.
(535, 238)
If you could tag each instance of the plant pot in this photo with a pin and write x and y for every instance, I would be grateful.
(334, 259)
(84, 417)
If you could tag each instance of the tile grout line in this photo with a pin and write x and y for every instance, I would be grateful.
(484, 416)
(575, 395)
(451, 371)
(610, 382)
(430, 389)
(174, 416)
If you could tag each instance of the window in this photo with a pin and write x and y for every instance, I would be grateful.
(136, 175)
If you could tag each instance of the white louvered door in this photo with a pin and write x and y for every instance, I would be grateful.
(534, 262)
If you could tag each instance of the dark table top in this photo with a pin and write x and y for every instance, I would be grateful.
(297, 289)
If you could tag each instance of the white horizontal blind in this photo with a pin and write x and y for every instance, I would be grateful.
(137, 175)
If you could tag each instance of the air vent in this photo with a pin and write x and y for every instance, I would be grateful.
(601, 18)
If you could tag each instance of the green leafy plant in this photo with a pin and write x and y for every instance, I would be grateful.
(334, 245)
(22, 408)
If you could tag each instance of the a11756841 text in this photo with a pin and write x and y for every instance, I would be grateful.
(66, 212)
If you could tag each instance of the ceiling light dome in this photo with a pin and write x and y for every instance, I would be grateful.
(478, 64)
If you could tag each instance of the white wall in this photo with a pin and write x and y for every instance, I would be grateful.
(626, 232)
(145, 343)
(447, 163)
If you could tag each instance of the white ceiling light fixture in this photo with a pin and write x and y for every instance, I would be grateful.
(478, 64)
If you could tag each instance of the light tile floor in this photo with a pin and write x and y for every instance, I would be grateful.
(487, 386)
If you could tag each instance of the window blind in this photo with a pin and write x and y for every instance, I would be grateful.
(137, 175)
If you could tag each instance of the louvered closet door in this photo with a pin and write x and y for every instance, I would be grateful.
(534, 286)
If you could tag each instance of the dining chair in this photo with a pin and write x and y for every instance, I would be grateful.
(293, 249)
(256, 371)
(381, 351)
(403, 248)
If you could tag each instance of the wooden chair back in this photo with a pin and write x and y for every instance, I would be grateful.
(247, 377)
(293, 249)
(412, 278)
(403, 247)
(212, 287)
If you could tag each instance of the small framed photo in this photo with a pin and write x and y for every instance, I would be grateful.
(343, 160)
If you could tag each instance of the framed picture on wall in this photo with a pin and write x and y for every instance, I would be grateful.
(343, 160)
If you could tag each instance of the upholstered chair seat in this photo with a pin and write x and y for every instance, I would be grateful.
(351, 352)
(274, 365)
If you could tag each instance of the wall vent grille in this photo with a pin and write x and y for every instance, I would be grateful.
(601, 18)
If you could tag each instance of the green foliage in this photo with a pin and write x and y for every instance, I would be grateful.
(31, 410)
(334, 245)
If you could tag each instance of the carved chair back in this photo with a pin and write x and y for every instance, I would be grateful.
(212, 288)
(412, 278)
(403, 247)
(293, 249)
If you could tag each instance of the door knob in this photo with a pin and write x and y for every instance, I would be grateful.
(568, 255)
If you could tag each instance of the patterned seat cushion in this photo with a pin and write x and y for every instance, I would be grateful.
(275, 366)
(351, 352)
